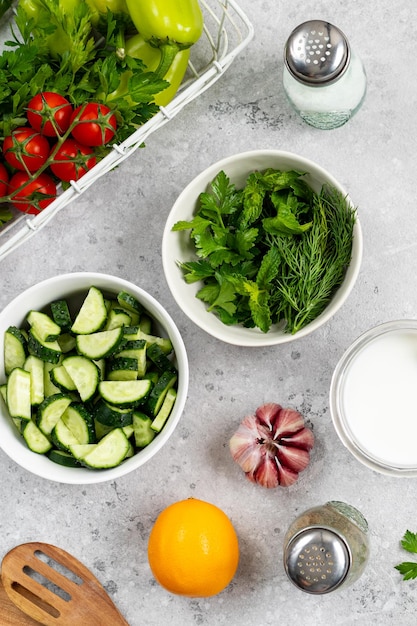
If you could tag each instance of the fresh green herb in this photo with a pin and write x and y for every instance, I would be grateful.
(81, 64)
(408, 569)
(271, 252)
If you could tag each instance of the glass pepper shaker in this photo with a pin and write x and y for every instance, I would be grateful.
(326, 547)
(323, 78)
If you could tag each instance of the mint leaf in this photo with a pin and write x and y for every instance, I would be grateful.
(268, 268)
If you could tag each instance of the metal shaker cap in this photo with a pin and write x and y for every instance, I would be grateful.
(317, 53)
(317, 560)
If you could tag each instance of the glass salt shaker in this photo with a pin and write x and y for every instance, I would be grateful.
(324, 79)
(326, 547)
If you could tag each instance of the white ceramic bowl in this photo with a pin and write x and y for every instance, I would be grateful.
(177, 246)
(372, 398)
(72, 287)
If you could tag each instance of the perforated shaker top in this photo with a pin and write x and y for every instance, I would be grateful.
(317, 53)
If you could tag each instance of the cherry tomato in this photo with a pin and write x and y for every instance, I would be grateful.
(96, 124)
(25, 149)
(28, 198)
(72, 160)
(49, 113)
(4, 179)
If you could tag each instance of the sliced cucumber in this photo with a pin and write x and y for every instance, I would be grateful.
(129, 302)
(135, 332)
(113, 416)
(36, 367)
(117, 318)
(61, 314)
(124, 393)
(66, 342)
(142, 430)
(15, 349)
(84, 373)
(108, 452)
(75, 426)
(35, 438)
(99, 345)
(51, 410)
(49, 386)
(122, 368)
(165, 410)
(63, 458)
(159, 358)
(49, 351)
(61, 379)
(18, 394)
(159, 391)
(92, 315)
(135, 349)
(44, 327)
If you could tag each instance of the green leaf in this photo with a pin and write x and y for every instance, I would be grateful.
(409, 541)
(407, 569)
(268, 269)
(196, 270)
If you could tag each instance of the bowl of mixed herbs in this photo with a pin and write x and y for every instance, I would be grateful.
(262, 248)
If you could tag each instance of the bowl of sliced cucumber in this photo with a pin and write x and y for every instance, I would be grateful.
(93, 378)
(262, 248)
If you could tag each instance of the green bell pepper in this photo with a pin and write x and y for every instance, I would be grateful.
(138, 48)
(99, 9)
(169, 25)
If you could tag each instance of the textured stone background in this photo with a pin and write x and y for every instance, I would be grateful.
(116, 227)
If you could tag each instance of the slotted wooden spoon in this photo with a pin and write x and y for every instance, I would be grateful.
(54, 588)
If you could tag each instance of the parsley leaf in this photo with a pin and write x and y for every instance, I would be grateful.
(408, 569)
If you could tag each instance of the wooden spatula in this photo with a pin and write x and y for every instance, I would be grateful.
(53, 587)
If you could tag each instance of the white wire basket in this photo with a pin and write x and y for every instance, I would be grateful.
(227, 31)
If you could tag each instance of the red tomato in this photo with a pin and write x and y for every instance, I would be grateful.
(25, 149)
(27, 199)
(4, 179)
(96, 124)
(49, 113)
(72, 160)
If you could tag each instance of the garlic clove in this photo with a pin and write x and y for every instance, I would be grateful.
(268, 413)
(295, 459)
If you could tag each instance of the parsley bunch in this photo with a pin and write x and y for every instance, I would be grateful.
(272, 252)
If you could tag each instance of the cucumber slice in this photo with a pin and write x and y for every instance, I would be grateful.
(61, 314)
(108, 452)
(49, 351)
(63, 458)
(99, 345)
(92, 314)
(122, 368)
(35, 367)
(136, 350)
(61, 379)
(84, 373)
(146, 324)
(129, 302)
(165, 410)
(19, 394)
(75, 426)
(112, 416)
(15, 349)
(44, 327)
(159, 358)
(66, 342)
(50, 411)
(135, 332)
(49, 387)
(117, 318)
(35, 439)
(142, 430)
(124, 393)
(159, 391)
